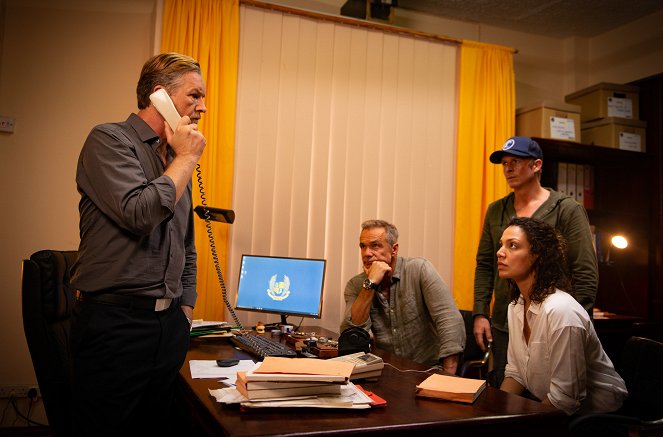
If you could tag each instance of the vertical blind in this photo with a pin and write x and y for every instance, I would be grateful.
(337, 124)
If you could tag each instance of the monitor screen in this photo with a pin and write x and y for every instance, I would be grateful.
(281, 285)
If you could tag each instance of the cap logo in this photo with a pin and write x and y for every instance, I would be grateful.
(509, 144)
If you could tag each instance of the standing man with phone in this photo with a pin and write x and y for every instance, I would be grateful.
(136, 267)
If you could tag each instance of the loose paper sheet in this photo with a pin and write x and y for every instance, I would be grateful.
(209, 369)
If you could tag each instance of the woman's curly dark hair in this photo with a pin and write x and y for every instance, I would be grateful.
(550, 266)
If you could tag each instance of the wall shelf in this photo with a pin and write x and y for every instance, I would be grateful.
(622, 192)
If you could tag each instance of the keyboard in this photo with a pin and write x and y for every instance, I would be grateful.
(261, 346)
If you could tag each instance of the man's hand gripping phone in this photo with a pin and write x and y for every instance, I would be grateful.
(182, 135)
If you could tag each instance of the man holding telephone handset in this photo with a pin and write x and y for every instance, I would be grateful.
(136, 267)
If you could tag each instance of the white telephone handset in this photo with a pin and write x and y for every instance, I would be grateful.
(161, 100)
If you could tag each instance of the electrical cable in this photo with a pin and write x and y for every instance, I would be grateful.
(30, 407)
(21, 415)
(4, 413)
(432, 369)
(212, 245)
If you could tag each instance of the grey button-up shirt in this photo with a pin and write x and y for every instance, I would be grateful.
(420, 321)
(134, 238)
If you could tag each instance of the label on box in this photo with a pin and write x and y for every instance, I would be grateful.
(620, 107)
(629, 141)
(562, 128)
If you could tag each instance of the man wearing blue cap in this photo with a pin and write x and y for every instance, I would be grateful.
(522, 159)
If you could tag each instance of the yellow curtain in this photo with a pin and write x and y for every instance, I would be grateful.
(208, 30)
(486, 118)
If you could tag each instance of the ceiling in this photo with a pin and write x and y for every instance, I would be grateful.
(553, 18)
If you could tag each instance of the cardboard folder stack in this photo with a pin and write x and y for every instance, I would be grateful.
(278, 378)
(300, 382)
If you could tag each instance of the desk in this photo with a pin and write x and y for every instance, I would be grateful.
(613, 330)
(495, 413)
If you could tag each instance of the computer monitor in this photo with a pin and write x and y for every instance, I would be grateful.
(281, 285)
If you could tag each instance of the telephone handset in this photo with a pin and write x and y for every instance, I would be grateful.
(161, 100)
(164, 104)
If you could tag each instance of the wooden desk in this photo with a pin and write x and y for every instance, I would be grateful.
(614, 330)
(495, 413)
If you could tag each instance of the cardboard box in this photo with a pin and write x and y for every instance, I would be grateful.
(619, 133)
(548, 119)
(606, 100)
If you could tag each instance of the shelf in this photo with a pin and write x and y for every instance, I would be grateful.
(623, 187)
(560, 150)
(622, 179)
(600, 215)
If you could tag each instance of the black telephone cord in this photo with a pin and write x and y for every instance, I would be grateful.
(212, 245)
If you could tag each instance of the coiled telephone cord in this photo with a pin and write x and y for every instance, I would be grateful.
(212, 245)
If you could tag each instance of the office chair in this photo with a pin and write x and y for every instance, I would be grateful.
(474, 362)
(642, 412)
(48, 309)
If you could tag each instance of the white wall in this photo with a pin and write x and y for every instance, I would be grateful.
(633, 51)
(68, 65)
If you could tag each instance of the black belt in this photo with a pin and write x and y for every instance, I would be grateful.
(127, 301)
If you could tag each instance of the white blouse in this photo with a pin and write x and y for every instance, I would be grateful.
(564, 359)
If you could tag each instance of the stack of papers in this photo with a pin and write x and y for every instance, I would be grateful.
(202, 328)
(349, 398)
(296, 382)
(255, 390)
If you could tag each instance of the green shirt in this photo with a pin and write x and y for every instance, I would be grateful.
(420, 321)
(560, 211)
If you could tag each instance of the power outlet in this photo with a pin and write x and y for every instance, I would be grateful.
(7, 124)
(16, 390)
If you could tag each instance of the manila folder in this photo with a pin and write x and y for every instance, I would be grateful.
(451, 388)
(305, 369)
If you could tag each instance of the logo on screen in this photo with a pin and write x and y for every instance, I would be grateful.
(279, 290)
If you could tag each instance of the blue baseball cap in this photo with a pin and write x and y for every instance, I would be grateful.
(518, 146)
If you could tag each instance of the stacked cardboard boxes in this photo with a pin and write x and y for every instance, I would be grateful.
(609, 115)
(549, 119)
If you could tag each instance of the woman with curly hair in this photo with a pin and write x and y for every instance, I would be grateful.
(554, 352)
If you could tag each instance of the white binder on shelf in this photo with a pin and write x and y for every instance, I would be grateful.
(589, 186)
(571, 179)
(562, 168)
(580, 184)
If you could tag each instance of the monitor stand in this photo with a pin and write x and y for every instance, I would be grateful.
(277, 325)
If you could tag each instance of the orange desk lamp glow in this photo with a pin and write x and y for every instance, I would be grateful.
(618, 242)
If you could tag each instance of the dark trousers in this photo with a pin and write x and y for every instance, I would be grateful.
(126, 363)
(498, 350)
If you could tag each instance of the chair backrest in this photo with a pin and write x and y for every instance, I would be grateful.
(48, 309)
(473, 363)
(640, 367)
